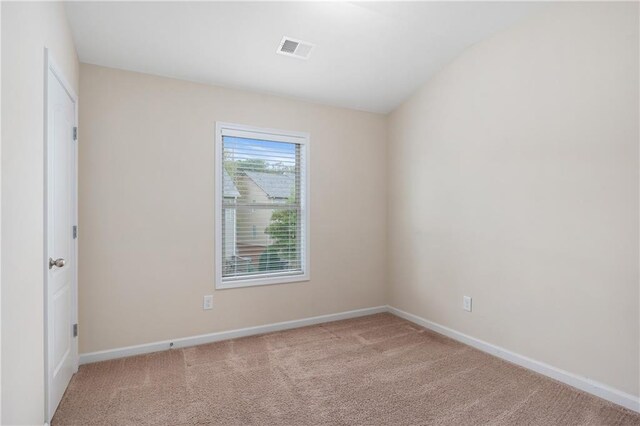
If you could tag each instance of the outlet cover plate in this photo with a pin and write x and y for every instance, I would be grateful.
(466, 303)
(207, 302)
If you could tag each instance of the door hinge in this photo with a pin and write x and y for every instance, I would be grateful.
(75, 330)
(75, 133)
(75, 231)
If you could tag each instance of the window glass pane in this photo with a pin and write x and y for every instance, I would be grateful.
(266, 241)
(263, 172)
(261, 216)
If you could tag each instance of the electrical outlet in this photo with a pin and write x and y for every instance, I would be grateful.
(207, 302)
(466, 303)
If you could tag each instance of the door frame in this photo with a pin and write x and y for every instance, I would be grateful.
(50, 66)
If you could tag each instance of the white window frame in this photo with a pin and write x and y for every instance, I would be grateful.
(274, 135)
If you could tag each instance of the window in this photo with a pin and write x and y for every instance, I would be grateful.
(262, 209)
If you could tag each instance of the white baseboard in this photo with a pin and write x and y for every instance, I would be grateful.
(223, 335)
(583, 383)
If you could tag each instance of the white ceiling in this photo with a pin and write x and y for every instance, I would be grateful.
(368, 56)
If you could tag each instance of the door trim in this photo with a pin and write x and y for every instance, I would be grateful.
(50, 65)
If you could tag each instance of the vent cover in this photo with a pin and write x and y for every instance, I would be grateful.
(295, 48)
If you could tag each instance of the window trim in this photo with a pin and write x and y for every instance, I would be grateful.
(274, 135)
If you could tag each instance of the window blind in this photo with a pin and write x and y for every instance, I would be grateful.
(262, 208)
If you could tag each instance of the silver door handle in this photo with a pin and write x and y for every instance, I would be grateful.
(58, 262)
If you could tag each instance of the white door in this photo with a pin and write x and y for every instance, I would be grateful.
(61, 347)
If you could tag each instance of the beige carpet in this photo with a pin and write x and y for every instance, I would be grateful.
(372, 370)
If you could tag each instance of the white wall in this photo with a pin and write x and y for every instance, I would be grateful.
(147, 219)
(0, 230)
(514, 179)
(27, 28)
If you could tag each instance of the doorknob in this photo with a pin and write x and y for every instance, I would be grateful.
(58, 262)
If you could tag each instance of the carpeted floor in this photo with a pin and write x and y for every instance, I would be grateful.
(375, 370)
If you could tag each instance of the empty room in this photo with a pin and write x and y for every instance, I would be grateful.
(320, 213)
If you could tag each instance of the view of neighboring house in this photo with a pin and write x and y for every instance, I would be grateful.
(262, 188)
(231, 194)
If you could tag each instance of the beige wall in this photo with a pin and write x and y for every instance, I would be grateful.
(514, 180)
(147, 219)
(27, 28)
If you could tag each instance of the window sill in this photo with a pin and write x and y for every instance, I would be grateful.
(259, 281)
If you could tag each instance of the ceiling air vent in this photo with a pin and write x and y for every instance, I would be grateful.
(295, 48)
